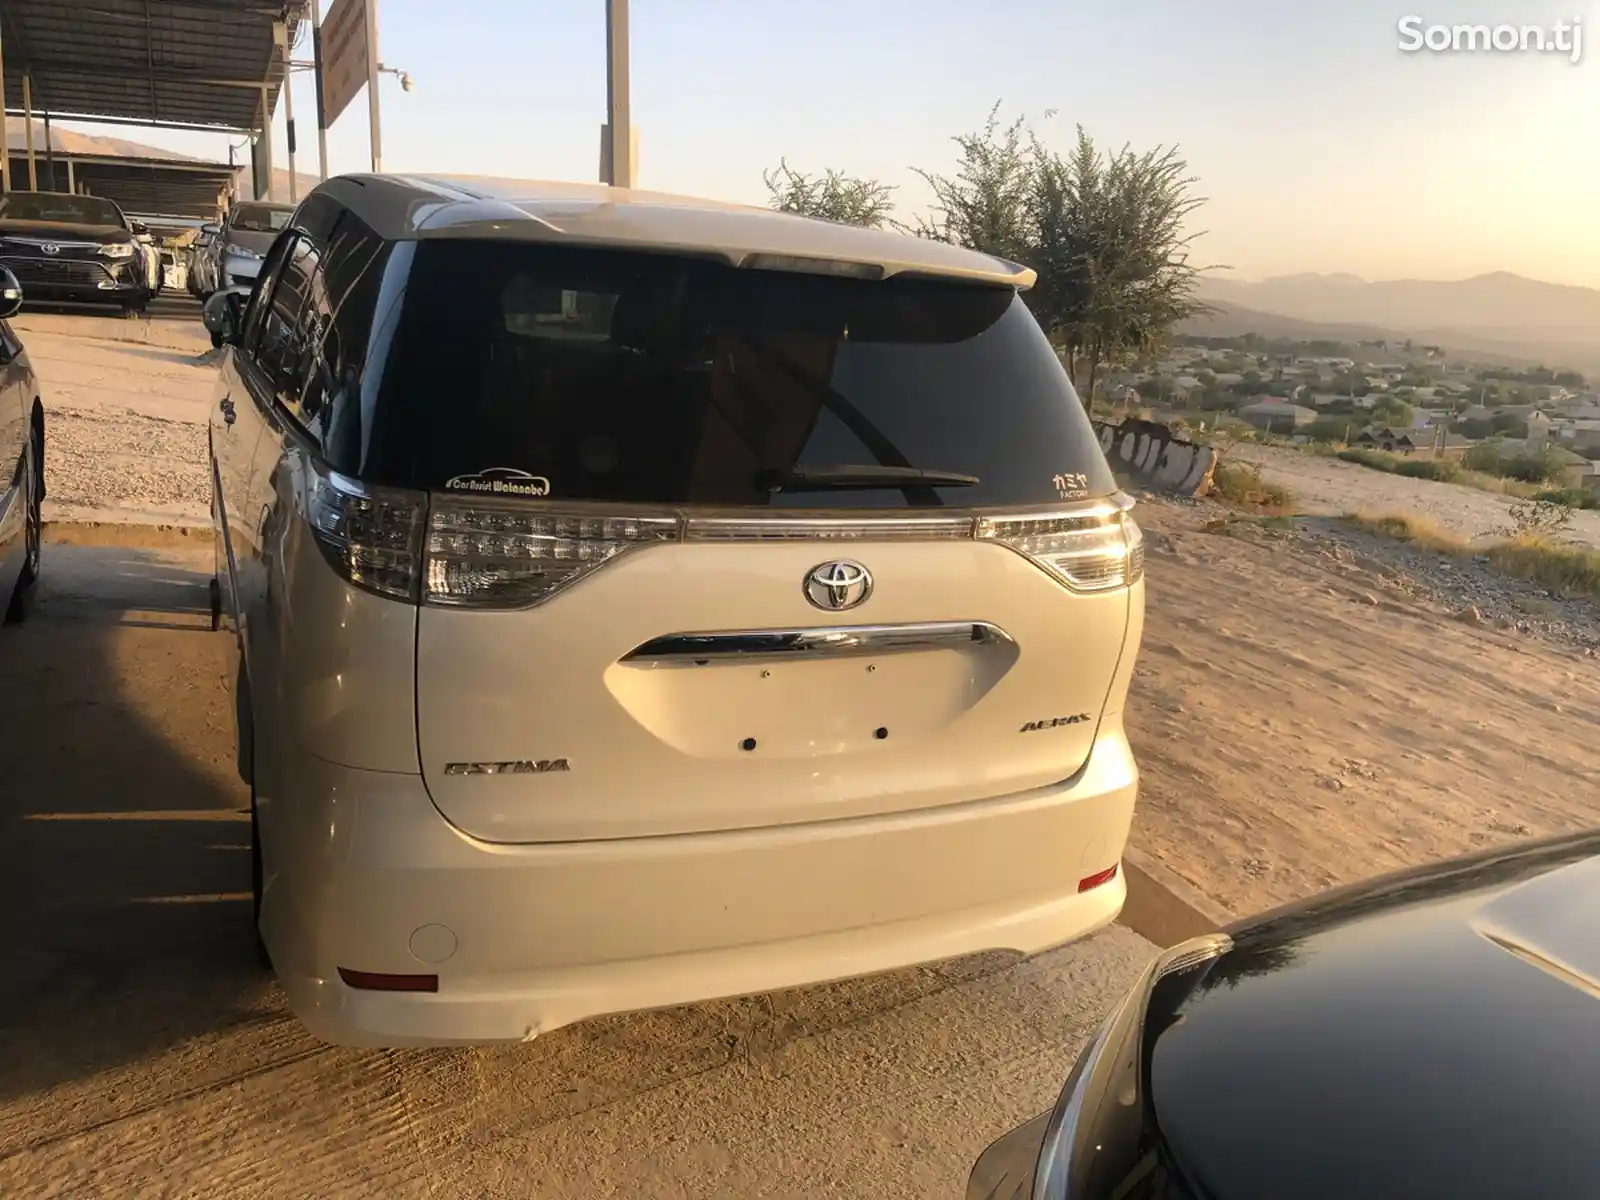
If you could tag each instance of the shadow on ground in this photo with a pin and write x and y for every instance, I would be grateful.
(124, 846)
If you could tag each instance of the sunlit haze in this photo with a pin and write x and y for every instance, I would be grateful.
(1322, 146)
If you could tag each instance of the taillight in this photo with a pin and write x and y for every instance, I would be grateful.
(480, 556)
(1094, 552)
(371, 536)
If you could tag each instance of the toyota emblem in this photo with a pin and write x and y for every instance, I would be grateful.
(50, 248)
(838, 585)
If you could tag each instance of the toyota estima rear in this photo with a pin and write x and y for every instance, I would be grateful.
(773, 612)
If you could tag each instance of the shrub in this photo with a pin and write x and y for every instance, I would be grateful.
(1441, 469)
(1495, 459)
(1530, 555)
(1538, 519)
(1241, 483)
(1572, 497)
(1568, 569)
(1417, 530)
(1376, 459)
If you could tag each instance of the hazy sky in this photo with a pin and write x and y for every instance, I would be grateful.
(1322, 146)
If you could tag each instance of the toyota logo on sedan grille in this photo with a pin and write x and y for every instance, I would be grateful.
(838, 585)
(50, 248)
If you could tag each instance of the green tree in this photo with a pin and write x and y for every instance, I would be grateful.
(830, 196)
(1106, 234)
(1510, 425)
(1390, 411)
(1332, 429)
(984, 205)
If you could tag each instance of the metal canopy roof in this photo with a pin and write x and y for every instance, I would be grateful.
(176, 187)
(173, 63)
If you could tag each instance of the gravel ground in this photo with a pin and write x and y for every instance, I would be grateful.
(125, 426)
(123, 460)
(1467, 590)
(1309, 708)
(1328, 486)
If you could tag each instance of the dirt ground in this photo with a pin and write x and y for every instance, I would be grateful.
(1299, 727)
(125, 420)
(1328, 485)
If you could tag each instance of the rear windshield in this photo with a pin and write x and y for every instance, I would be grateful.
(259, 218)
(594, 375)
(50, 206)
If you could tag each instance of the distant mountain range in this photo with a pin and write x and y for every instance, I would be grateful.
(1500, 315)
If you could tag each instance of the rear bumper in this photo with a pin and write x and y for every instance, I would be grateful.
(550, 934)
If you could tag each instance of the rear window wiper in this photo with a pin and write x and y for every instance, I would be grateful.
(845, 476)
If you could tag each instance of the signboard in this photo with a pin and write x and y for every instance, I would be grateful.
(345, 68)
(261, 167)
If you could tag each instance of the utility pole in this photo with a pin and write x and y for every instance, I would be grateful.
(5, 134)
(282, 31)
(619, 120)
(27, 117)
(372, 84)
(316, 63)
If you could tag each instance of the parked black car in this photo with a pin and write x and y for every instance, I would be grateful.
(1430, 1033)
(79, 249)
(21, 460)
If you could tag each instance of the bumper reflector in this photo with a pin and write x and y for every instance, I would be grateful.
(1088, 882)
(371, 981)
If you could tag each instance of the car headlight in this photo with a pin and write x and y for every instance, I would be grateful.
(117, 250)
(244, 253)
(1098, 1116)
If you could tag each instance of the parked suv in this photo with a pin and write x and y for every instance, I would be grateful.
(644, 600)
(78, 249)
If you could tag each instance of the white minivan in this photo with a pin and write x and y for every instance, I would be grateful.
(643, 600)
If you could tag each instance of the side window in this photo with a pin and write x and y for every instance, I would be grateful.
(288, 332)
(255, 315)
(345, 296)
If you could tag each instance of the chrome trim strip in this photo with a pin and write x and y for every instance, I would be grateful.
(44, 241)
(768, 645)
(822, 529)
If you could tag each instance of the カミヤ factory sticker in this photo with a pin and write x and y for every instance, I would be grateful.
(1071, 487)
(500, 481)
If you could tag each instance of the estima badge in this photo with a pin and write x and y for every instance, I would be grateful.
(838, 585)
(522, 766)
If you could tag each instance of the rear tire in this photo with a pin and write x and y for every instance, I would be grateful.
(33, 535)
(247, 752)
(263, 958)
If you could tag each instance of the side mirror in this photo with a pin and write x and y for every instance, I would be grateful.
(10, 294)
(223, 315)
(138, 227)
(211, 229)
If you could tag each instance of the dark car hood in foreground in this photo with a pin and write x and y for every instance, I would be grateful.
(1435, 1033)
(66, 231)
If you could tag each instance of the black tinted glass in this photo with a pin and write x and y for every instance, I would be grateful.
(260, 218)
(51, 206)
(651, 378)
